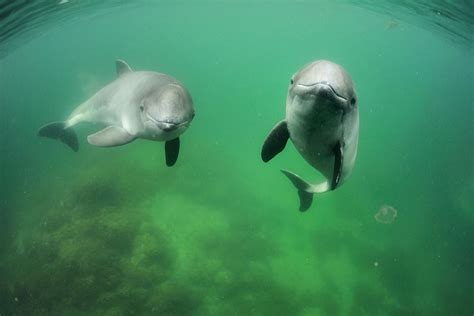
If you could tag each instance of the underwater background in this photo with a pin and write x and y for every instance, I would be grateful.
(113, 231)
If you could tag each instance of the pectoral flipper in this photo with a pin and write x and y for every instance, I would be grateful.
(110, 136)
(275, 141)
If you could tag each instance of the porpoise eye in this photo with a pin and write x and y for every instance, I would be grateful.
(353, 101)
(291, 81)
(142, 108)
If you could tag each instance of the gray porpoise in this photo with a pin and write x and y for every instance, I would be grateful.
(138, 104)
(322, 121)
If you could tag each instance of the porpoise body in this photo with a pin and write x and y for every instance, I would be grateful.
(322, 121)
(138, 104)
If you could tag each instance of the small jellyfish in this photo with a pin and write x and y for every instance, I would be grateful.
(386, 214)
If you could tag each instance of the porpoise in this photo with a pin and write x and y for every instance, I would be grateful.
(322, 121)
(138, 104)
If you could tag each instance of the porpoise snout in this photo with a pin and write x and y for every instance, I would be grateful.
(168, 126)
(322, 90)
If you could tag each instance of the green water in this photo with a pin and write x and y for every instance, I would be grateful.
(115, 232)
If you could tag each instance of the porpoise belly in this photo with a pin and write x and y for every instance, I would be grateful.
(315, 139)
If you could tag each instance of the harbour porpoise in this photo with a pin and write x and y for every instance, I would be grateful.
(138, 104)
(322, 121)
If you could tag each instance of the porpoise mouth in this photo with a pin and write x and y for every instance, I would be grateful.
(167, 125)
(323, 88)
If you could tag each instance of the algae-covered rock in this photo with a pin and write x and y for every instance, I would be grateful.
(173, 298)
(96, 253)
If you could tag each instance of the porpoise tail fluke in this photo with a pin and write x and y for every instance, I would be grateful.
(305, 189)
(58, 130)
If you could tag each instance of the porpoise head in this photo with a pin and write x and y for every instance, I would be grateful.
(322, 86)
(167, 111)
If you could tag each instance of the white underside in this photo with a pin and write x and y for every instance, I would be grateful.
(314, 139)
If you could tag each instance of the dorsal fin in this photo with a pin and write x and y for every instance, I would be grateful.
(122, 67)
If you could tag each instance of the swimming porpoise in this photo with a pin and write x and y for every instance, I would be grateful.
(138, 104)
(322, 121)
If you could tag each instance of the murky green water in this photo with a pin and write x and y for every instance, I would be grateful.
(115, 232)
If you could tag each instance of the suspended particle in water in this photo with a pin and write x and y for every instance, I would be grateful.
(391, 24)
(386, 214)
